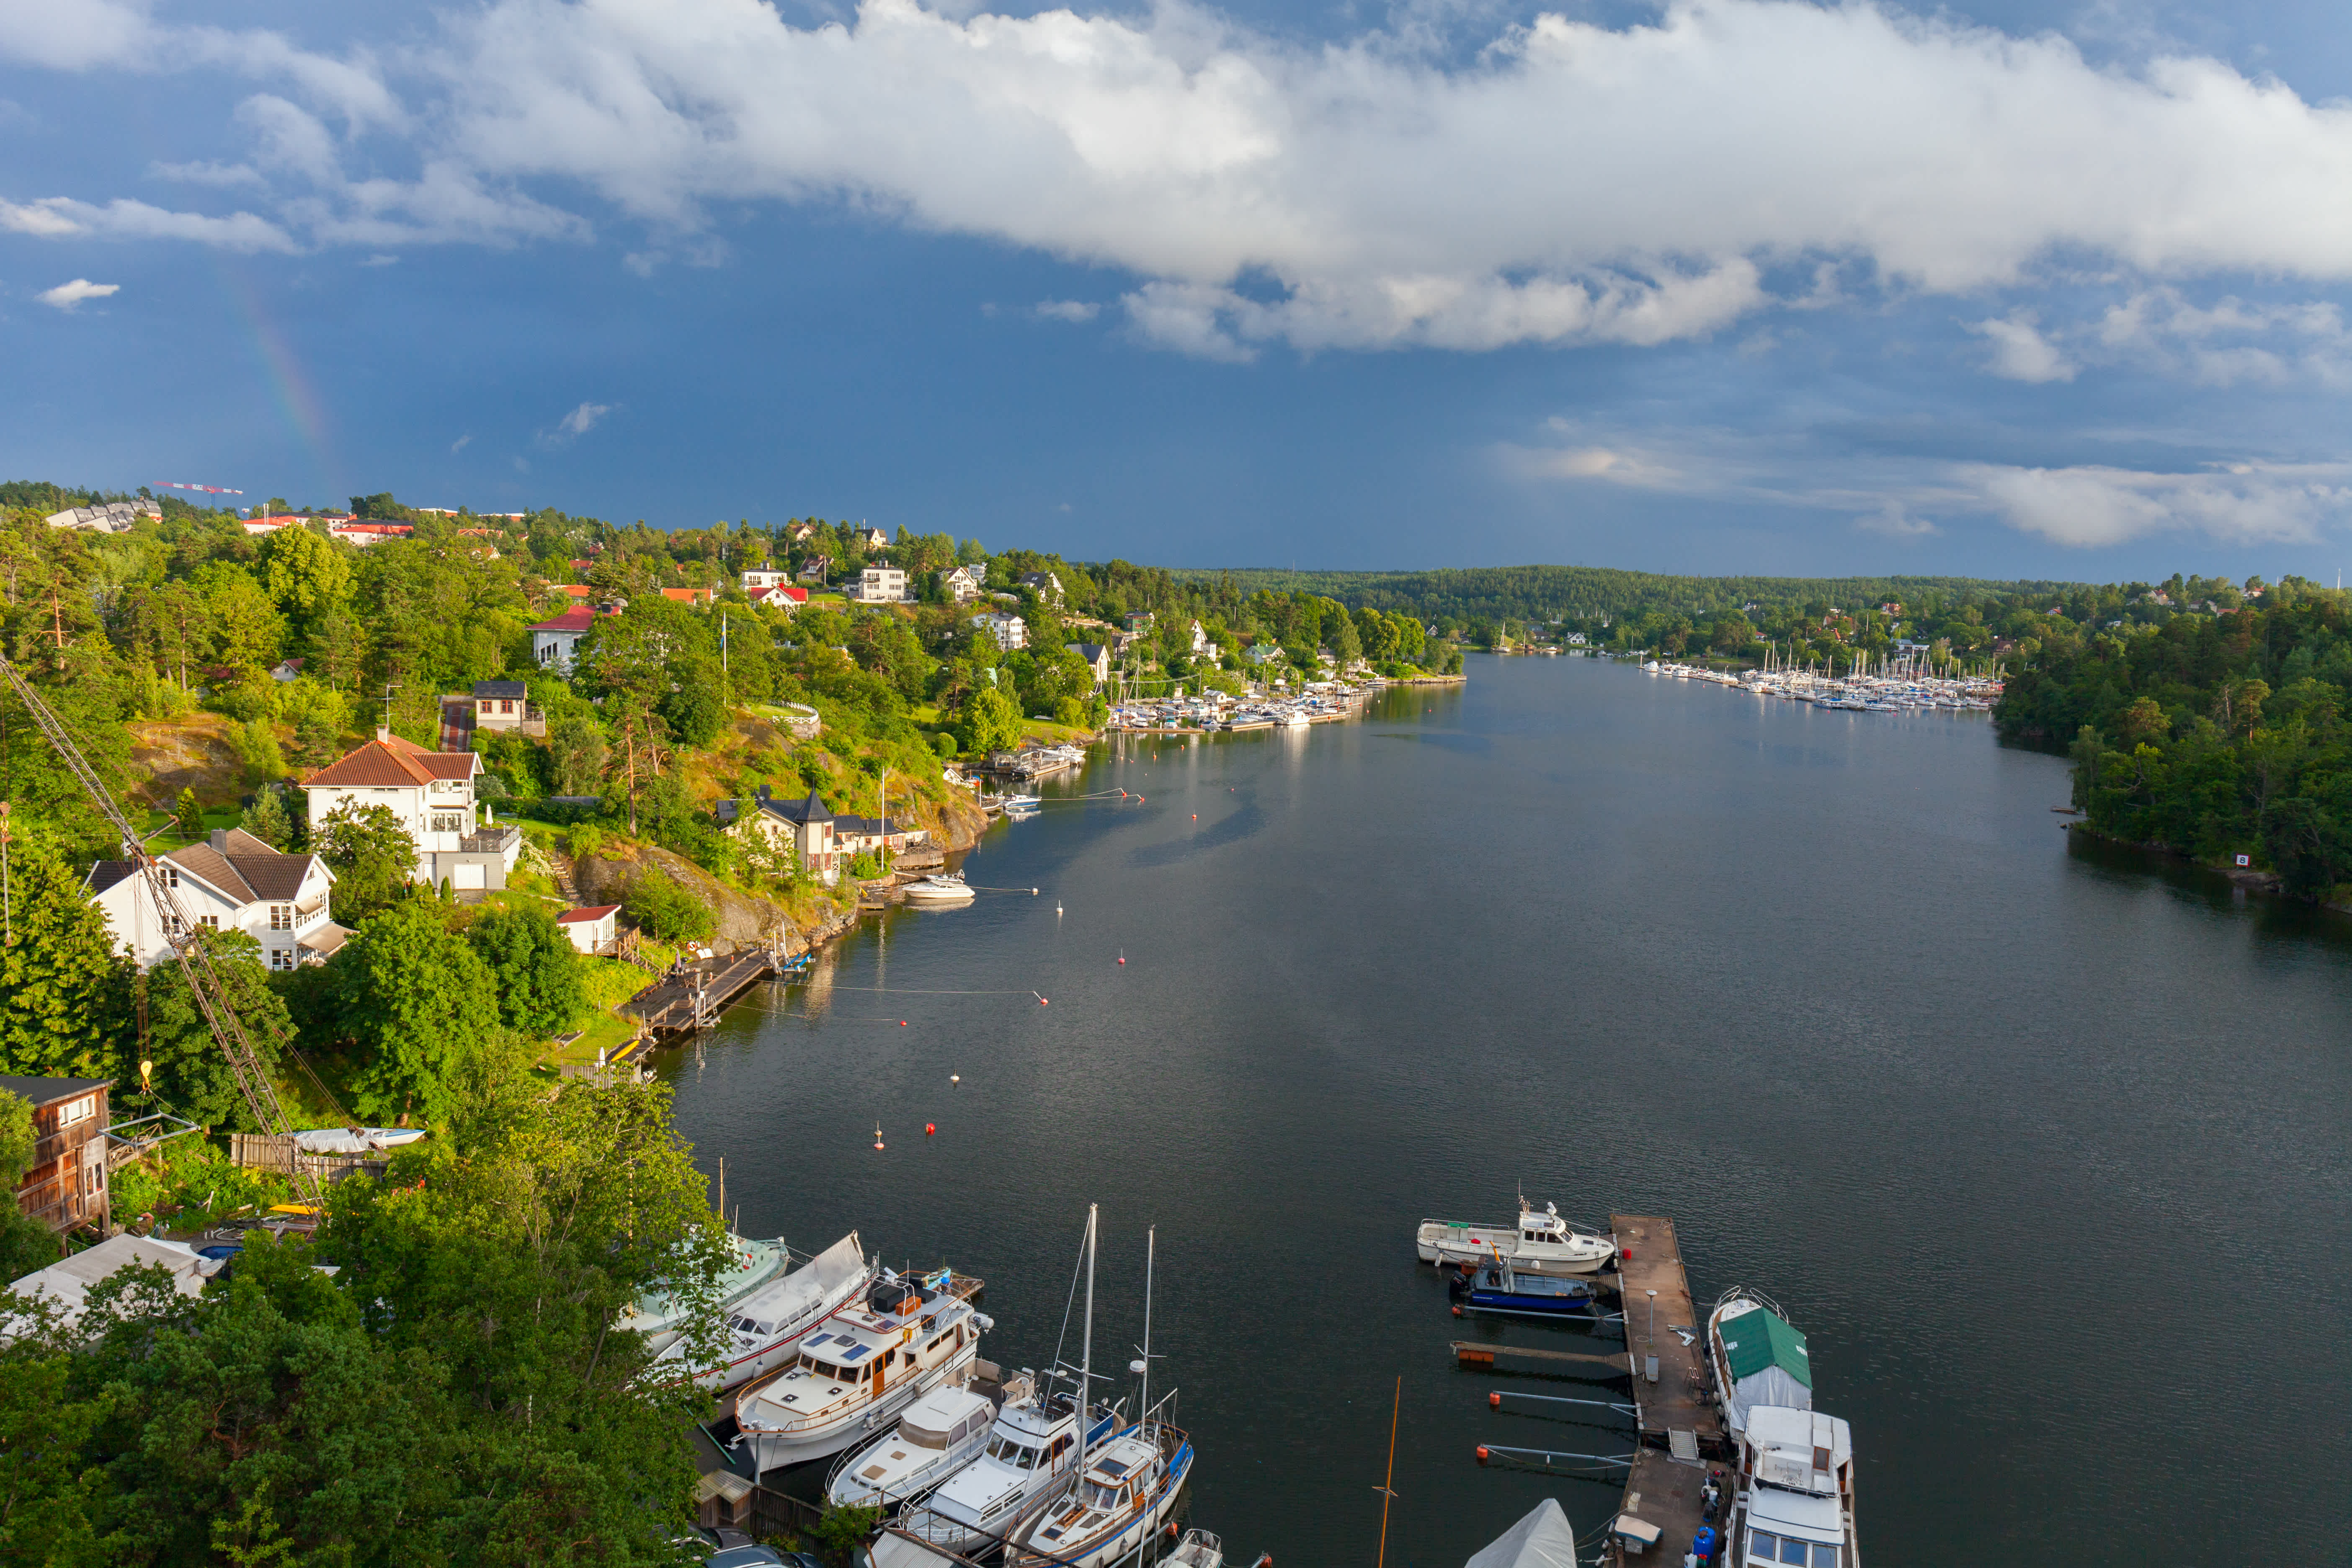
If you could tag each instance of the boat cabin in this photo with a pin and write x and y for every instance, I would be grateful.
(1116, 1485)
(1796, 1472)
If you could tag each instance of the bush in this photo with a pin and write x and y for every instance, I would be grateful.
(256, 744)
(657, 905)
(864, 865)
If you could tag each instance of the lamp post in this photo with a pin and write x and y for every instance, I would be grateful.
(1653, 1317)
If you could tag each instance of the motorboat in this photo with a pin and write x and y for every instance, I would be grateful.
(941, 889)
(766, 1324)
(1125, 1493)
(1758, 1357)
(936, 1436)
(1199, 1549)
(1793, 1491)
(1496, 1287)
(1537, 1244)
(865, 1365)
(1030, 1457)
(354, 1140)
(662, 1317)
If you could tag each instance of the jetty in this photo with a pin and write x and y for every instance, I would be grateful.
(1679, 1428)
(691, 997)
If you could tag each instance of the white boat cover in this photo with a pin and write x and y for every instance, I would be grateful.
(780, 1301)
(1542, 1540)
(67, 1283)
(354, 1140)
(895, 1549)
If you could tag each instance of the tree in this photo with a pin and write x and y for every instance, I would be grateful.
(306, 576)
(268, 820)
(988, 722)
(575, 753)
(62, 983)
(26, 1244)
(371, 854)
(421, 1005)
(187, 816)
(191, 1073)
(656, 903)
(536, 967)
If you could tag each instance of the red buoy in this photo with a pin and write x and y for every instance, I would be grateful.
(931, 1127)
(902, 1023)
(1457, 1312)
(1482, 1453)
(1495, 1401)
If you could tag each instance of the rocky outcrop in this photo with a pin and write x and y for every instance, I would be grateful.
(739, 920)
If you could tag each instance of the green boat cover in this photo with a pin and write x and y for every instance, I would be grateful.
(1754, 1340)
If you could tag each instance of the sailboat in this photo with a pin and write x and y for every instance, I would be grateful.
(1126, 1487)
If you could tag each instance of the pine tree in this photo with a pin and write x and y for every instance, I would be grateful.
(268, 820)
(187, 816)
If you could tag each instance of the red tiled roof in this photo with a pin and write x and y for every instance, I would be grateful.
(393, 527)
(577, 619)
(688, 595)
(394, 761)
(588, 913)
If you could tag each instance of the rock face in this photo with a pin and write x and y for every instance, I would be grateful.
(739, 920)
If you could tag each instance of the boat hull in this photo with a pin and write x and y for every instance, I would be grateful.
(774, 1449)
(1115, 1543)
(1471, 1245)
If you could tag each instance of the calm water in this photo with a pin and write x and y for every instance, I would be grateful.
(2047, 1155)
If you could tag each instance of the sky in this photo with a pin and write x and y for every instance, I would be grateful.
(1710, 286)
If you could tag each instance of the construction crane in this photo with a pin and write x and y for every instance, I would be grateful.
(180, 931)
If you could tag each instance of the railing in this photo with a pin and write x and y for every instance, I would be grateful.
(490, 840)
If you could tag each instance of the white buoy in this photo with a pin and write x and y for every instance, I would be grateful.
(955, 1077)
(1057, 909)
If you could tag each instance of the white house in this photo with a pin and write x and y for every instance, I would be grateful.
(883, 585)
(506, 705)
(963, 583)
(553, 640)
(816, 569)
(432, 796)
(233, 882)
(756, 582)
(781, 596)
(1094, 656)
(1009, 631)
(595, 929)
(1200, 638)
(802, 828)
(870, 540)
(1261, 653)
(1047, 586)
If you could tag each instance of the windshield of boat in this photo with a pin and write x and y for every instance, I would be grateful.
(827, 1370)
(1106, 1499)
(1011, 1451)
(1781, 1549)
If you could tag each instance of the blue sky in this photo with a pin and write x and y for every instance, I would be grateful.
(1725, 286)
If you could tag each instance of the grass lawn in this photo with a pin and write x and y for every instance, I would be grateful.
(1047, 732)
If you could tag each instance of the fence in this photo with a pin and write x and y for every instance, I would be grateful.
(277, 1152)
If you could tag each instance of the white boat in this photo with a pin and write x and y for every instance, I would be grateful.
(937, 1436)
(1128, 1487)
(1758, 1357)
(867, 1363)
(766, 1324)
(1292, 719)
(944, 888)
(662, 1317)
(1537, 1244)
(354, 1140)
(1030, 1455)
(1021, 802)
(1793, 1497)
(1199, 1549)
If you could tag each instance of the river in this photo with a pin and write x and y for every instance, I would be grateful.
(2045, 1149)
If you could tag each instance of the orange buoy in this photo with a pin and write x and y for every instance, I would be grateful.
(1494, 1402)
(1482, 1453)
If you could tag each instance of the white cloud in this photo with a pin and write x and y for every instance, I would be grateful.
(2243, 503)
(2020, 352)
(223, 176)
(380, 259)
(582, 420)
(61, 217)
(1894, 520)
(460, 443)
(1573, 182)
(69, 296)
(1077, 313)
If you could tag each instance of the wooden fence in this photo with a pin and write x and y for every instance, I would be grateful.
(277, 1152)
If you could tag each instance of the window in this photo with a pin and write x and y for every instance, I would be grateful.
(79, 1111)
(171, 876)
(281, 958)
(210, 922)
(281, 917)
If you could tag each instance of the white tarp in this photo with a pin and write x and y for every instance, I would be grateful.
(893, 1549)
(67, 1283)
(354, 1140)
(1542, 1540)
(780, 1301)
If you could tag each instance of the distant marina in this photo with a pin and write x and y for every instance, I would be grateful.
(1895, 686)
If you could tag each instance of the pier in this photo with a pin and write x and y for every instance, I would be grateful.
(691, 996)
(1664, 1486)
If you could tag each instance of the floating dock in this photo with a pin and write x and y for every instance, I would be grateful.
(691, 996)
(1665, 1487)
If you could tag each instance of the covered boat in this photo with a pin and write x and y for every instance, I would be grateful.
(354, 1140)
(1541, 1539)
(661, 1316)
(1793, 1503)
(1758, 1357)
(766, 1324)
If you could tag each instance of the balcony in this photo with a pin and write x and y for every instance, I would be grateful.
(496, 839)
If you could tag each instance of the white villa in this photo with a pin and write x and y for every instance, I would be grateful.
(963, 583)
(1009, 631)
(234, 881)
(432, 794)
(883, 585)
(802, 828)
(756, 582)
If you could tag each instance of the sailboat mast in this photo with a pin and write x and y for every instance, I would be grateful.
(1087, 1351)
(1151, 1250)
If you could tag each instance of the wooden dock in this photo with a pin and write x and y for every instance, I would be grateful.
(691, 996)
(1666, 1486)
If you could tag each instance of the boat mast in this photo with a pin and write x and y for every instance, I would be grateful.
(1086, 1350)
(1150, 1248)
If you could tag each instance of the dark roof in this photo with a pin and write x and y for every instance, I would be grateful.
(207, 864)
(1090, 651)
(499, 689)
(812, 809)
(48, 1091)
(105, 874)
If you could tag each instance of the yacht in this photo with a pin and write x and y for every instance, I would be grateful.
(938, 1434)
(1030, 1457)
(1793, 1494)
(662, 1317)
(1127, 1488)
(766, 1324)
(1757, 1357)
(1538, 1244)
(869, 1362)
(944, 888)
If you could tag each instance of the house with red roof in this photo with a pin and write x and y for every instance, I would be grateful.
(552, 640)
(431, 793)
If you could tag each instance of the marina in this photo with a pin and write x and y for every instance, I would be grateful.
(1901, 688)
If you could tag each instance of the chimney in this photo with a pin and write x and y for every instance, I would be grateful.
(219, 838)
(383, 732)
